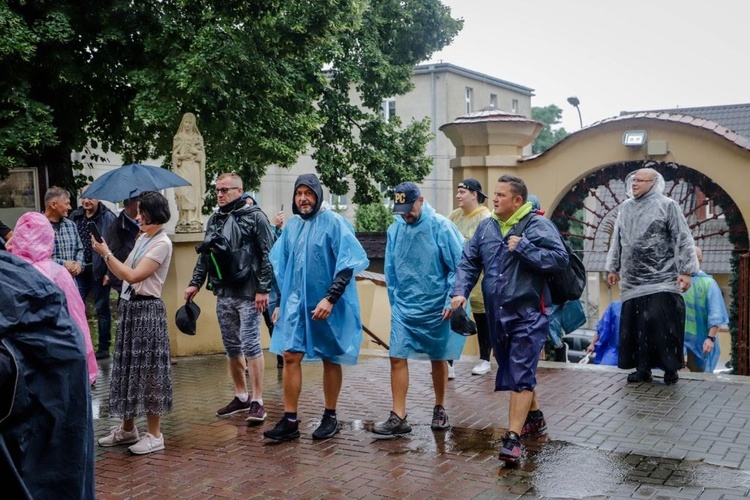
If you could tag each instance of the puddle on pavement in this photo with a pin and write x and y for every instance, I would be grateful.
(556, 469)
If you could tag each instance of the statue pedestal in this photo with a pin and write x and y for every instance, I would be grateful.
(207, 339)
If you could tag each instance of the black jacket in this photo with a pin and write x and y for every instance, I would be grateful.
(104, 218)
(121, 240)
(257, 235)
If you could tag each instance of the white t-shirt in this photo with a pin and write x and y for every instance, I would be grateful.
(157, 248)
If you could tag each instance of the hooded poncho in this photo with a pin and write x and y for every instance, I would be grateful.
(33, 241)
(651, 243)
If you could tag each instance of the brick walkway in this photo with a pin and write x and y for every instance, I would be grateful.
(606, 439)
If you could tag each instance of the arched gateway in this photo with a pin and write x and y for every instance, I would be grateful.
(580, 183)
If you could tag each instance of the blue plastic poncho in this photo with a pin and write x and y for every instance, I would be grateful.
(704, 309)
(420, 267)
(651, 243)
(305, 259)
(608, 329)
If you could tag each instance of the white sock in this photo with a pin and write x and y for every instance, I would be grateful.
(242, 397)
(259, 401)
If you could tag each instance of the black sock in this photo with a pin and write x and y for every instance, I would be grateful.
(292, 417)
(329, 413)
(535, 414)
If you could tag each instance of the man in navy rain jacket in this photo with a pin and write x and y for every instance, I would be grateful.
(515, 295)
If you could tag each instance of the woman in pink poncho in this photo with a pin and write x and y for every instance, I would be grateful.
(33, 240)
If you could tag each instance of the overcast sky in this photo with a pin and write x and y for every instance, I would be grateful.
(613, 55)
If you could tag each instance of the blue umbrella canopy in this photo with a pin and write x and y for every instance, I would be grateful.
(129, 181)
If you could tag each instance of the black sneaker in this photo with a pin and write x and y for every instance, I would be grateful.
(234, 406)
(102, 354)
(328, 428)
(639, 376)
(285, 430)
(671, 377)
(534, 426)
(511, 450)
(394, 425)
(439, 419)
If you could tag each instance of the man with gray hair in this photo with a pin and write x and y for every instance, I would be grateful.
(68, 250)
(652, 257)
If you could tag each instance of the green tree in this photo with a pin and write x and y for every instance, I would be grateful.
(374, 216)
(266, 79)
(549, 116)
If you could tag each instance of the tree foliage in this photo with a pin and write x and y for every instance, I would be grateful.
(549, 116)
(266, 79)
(374, 216)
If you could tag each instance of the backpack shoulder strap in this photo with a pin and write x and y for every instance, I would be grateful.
(520, 227)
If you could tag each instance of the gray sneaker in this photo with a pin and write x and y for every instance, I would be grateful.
(439, 419)
(394, 425)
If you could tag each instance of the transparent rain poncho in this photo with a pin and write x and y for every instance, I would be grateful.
(305, 259)
(651, 243)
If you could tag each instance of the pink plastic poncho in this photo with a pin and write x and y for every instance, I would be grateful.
(33, 240)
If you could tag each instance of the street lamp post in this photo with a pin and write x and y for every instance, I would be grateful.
(574, 101)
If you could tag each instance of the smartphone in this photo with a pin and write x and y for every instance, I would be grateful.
(95, 232)
(282, 207)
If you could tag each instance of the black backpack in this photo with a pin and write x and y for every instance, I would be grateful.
(567, 284)
(227, 259)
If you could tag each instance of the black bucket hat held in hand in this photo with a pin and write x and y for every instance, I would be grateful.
(186, 317)
(461, 324)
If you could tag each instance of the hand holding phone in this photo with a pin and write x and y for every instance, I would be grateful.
(95, 232)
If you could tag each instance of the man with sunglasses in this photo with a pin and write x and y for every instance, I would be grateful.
(240, 303)
(652, 257)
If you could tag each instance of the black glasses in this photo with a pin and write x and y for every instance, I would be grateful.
(225, 190)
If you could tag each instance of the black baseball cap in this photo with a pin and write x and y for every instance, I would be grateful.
(472, 185)
(404, 197)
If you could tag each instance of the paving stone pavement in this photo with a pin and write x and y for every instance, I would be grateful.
(606, 439)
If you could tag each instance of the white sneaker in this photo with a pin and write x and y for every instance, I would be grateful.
(147, 444)
(482, 368)
(451, 372)
(119, 436)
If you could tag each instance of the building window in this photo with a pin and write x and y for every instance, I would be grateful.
(389, 109)
(493, 100)
(469, 99)
(339, 202)
(712, 209)
(514, 106)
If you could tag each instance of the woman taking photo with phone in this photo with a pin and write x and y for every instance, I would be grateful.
(141, 381)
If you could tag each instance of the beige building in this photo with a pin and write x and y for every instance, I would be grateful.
(441, 93)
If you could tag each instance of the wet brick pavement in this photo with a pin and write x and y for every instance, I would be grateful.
(606, 439)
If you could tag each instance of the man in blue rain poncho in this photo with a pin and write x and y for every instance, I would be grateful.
(315, 261)
(421, 256)
(705, 312)
(652, 257)
(515, 295)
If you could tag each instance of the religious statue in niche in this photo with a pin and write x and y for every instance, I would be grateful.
(189, 162)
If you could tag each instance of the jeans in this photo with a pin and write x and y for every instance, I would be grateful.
(87, 284)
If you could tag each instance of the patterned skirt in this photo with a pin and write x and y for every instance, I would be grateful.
(141, 382)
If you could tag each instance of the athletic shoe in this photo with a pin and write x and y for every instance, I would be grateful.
(534, 425)
(671, 377)
(147, 444)
(328, 428)
(482, 368)
(451, 372)
(510, 451)
(439, 419)
(639, 376)
(119, 436)
(285, 430)
(394, 425)
(257, 412)
(234, 406)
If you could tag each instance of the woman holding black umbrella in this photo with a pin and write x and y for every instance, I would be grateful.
(141, 381)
